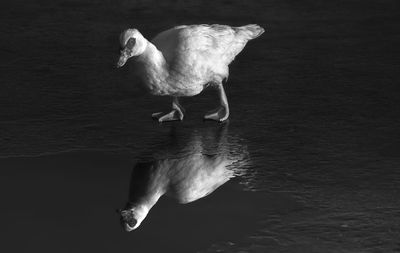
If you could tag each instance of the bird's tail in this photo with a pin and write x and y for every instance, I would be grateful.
(250, 31)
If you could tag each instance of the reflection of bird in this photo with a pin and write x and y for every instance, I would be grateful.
(183, 60)
(186, 174)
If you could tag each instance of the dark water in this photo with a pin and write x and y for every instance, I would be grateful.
(314, 129)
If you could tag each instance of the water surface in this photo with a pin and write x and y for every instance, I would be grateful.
(314, 109)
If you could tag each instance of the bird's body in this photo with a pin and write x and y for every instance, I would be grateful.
(182, 61)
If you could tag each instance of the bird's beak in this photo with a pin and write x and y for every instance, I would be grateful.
(128, 220)
(122, 60)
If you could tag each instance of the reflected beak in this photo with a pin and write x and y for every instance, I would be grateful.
(122, 60)
(128, 221)
(128, 228)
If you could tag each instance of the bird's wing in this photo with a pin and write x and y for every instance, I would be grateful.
(184, 44)
(168, 41)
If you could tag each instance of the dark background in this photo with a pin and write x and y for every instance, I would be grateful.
(315, 101)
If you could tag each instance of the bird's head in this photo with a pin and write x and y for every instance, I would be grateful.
(132, 44)
(131, 218)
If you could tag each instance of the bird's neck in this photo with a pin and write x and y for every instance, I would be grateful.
(149, 186)
(141, 207)
(153, 68)
(145, 202)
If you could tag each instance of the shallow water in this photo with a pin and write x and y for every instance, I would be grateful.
(314, 122)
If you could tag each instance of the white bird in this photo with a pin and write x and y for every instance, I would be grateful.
(186, 180)
(184, 170)
(183, 60)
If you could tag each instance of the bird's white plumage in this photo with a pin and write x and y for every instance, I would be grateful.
(181, 61)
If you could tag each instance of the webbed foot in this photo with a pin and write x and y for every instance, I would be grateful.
(173, 115)
(220, 114)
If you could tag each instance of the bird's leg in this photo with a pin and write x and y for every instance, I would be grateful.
(222, 112)
(175, 114)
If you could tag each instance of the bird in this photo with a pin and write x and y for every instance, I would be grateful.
(185, 168)
(184, 60)
(185, 180)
